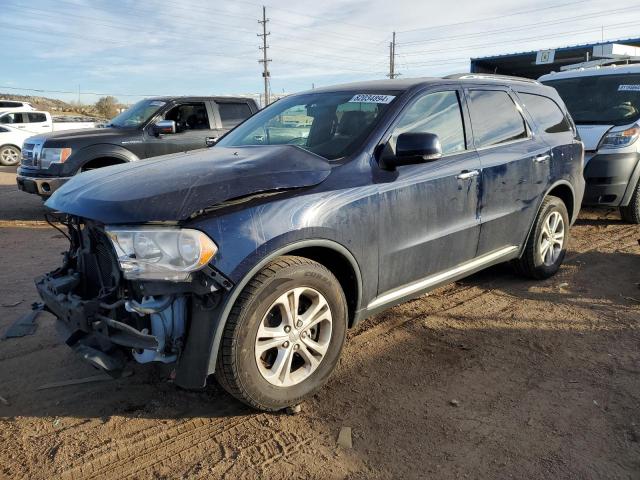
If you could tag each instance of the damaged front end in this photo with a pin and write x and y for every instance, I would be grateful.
(126, 293)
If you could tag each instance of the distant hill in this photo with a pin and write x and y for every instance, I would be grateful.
(52, 105)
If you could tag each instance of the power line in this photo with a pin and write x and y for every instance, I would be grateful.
(523, 39)
(74, 92)
(498, 17)
(514, 29)
(169, 32)
(332, 20)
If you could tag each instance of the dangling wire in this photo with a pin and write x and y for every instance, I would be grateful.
(50, 217)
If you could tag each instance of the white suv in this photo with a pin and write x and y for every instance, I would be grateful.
(13, 105)
(605, 105)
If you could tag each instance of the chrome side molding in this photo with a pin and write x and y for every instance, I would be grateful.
(411, 288)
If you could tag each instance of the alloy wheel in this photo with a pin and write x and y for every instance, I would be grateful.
(293, 337)
(551, 238)
(9, 156)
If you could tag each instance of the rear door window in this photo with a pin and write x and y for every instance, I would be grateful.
(232, 113)
(438, 113)
(546, 113)
(495, 118)
(37, 117)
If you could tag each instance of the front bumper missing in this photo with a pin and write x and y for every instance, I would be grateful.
(92, 334)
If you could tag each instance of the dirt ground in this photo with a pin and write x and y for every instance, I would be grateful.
(491, 377)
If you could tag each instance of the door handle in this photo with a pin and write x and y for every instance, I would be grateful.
(467, 174)
(542, 158)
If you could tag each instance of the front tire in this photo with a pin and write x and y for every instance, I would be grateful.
(631, 213)
(547, 243)
(9, 155)
(284, 335)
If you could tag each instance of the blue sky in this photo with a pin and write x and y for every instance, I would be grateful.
(164, 47)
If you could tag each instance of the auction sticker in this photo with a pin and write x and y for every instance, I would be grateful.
(369, 98)
(629, 88)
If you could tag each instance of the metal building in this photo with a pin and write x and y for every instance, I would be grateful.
(534, 64)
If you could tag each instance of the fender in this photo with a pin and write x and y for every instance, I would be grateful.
(576, 208)
(205, 335)
(10, 145)
(100, 150)
(231, 298)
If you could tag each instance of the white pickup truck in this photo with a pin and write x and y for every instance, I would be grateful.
(18, 125)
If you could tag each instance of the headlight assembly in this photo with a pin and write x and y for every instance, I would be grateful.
(620, 139)
(53, 155)
(169, 254)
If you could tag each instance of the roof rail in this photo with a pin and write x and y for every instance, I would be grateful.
(489, 76)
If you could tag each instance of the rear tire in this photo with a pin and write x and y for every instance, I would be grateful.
(9, 155)
(547, 243)
(284, 335)
(631, 213)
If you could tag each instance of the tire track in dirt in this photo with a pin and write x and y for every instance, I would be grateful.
(150, 448)
(277, 444)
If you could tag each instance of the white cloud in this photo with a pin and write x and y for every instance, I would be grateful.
(188, 46)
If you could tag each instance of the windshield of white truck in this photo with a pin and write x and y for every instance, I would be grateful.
(137, 115)
(601, 99)
(332, 125)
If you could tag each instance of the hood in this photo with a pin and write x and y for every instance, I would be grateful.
(85, 133)
(592, 134)
(172, 187)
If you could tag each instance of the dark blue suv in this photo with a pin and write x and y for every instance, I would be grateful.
(251, 259)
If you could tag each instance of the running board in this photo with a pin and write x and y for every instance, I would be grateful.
(439, 278)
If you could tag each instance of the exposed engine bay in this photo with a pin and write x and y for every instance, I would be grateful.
(111, 319)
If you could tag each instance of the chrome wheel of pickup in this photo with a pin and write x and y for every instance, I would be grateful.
(551, 239)
(9, 155)
(293, 337)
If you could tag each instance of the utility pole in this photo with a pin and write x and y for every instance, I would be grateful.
(392, 58)
(78, 95)
(265, 61)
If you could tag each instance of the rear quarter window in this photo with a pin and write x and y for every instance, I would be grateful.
(546, 113)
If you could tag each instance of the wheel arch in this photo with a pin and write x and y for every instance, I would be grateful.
(325, 252)
(634, 181)
(9, 144)
(97, 152)
(103, 161)
(565, 192)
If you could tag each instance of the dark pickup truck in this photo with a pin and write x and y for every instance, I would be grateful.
(151, 127)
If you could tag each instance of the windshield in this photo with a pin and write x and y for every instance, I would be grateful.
(137, 115)
(332, 125)
(601, 99)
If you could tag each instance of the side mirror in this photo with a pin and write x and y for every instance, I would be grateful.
(413, 148)
(164, 127)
